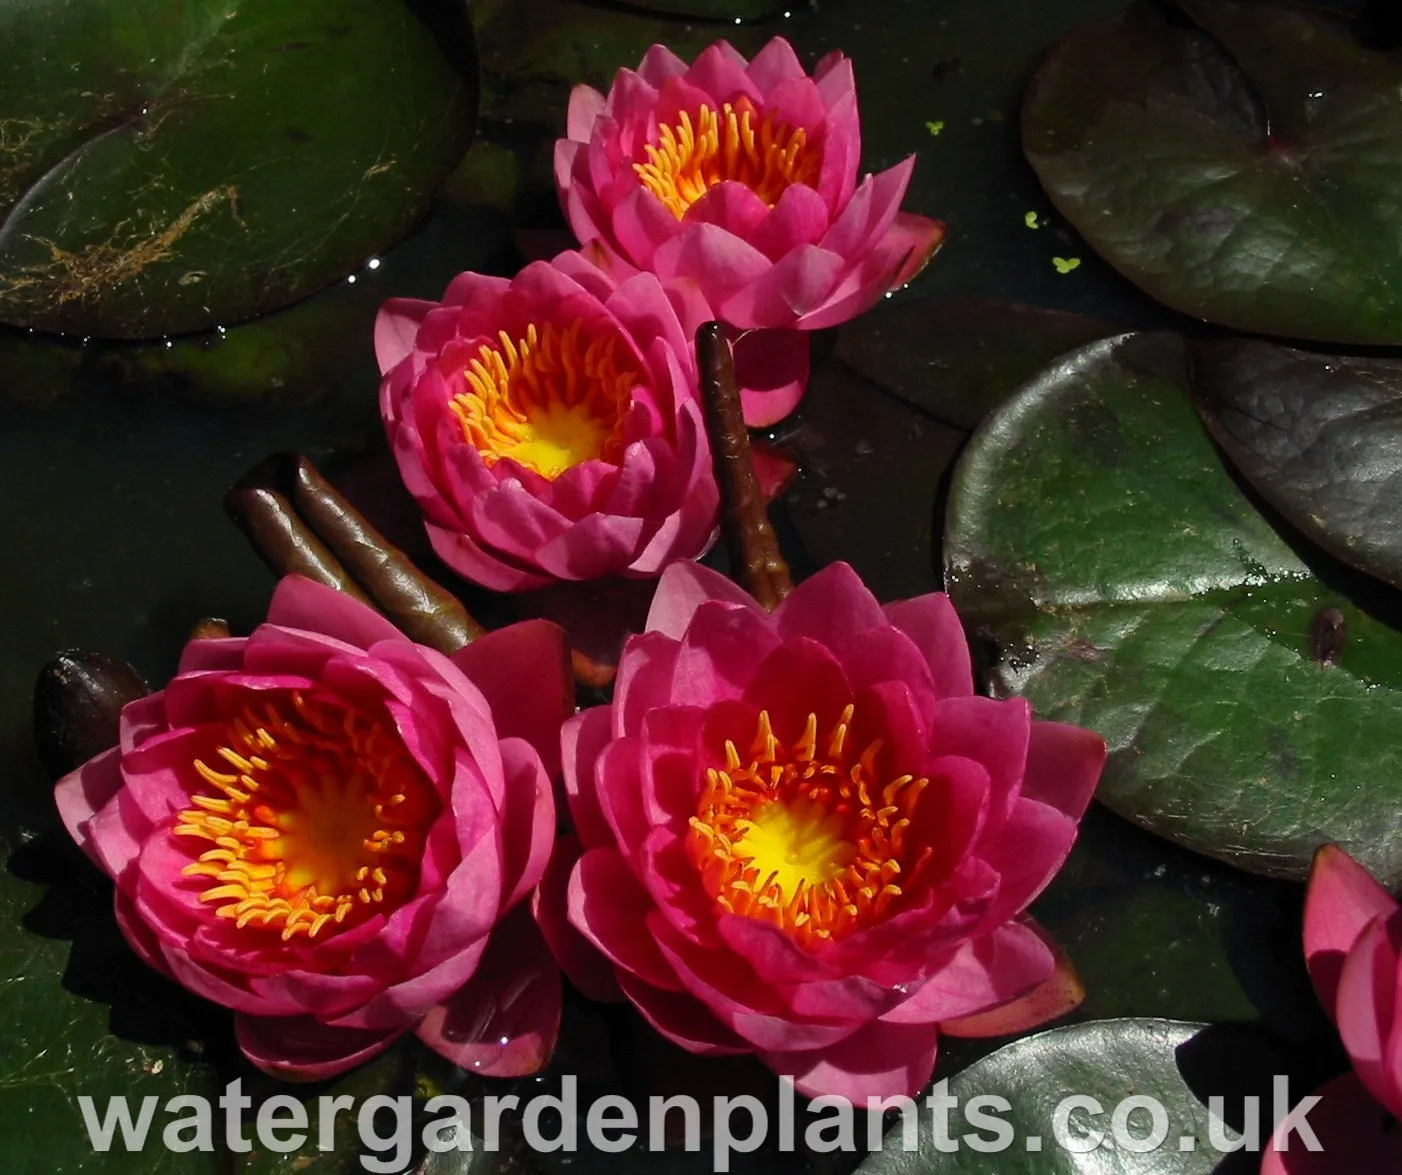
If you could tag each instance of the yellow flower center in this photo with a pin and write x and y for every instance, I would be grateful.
(548, 401)
(696, 154)
(812, 843)
(316, 815)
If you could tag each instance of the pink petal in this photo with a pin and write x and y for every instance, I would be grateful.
(842, 145)
(771, 369)
(981, 974)
(299, 1048)
(523, 671)
(224, 653)
(682, 1019)
(799, 218)
(723, 645)
(774, 469)
(1356, 1137)
(659, 65)
(893, 258)
(720, 73)
(586, 104)
(610, 908)
(931, 622)
(597, 546)
(396, 328)
(789, 289)
(829, 606)
(915, 239)
(730, 205)
(527, 820)
(1366, 1009)
(1063, 766)
(581, 961)
(299, 603)
(775, 63)
(582, 739)
(1341, 901)
(1058, 995)
(994, 733)
(621, 793)
(719, 261)
(881, 1060)
(503, 1022)
(81, 794)
(472, 561)
(641, 224)
(1027, 851)
(798, 679)
(870, 213)
(683, 588)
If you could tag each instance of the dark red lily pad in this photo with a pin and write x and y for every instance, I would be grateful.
(1320, 436)
(958, 358)
(1242, 169)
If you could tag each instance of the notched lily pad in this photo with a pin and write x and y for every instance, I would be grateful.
(1320, 436)
(165, 169)
(1122, 580)
(1242, 171)
(1024, 1124)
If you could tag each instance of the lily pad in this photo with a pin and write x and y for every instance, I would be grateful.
(1120, 578)
(168, 169)
(1320, 436)
(1027, 1124)
(957, 358)
(1242, 171)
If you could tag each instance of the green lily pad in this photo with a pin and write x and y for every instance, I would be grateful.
(1320, 436)
(1242, 171)
(1028, 1126)
(1119, 578)
(168, 169)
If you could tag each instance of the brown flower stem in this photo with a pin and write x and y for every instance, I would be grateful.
(283, 541)
(298, 523)
(754, 549)
(424, 611)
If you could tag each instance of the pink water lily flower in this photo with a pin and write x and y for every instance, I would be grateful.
(1353, 947)
(549, 426)
(801, 835)
(330, 830)
(736, 181)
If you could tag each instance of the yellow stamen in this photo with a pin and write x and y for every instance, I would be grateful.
(714, 146)
(306, 818)
(798, 840)
(550, 400)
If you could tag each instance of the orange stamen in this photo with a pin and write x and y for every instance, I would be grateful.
(550, 400)
(812, 843)
(714, 146)
(317, 799)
